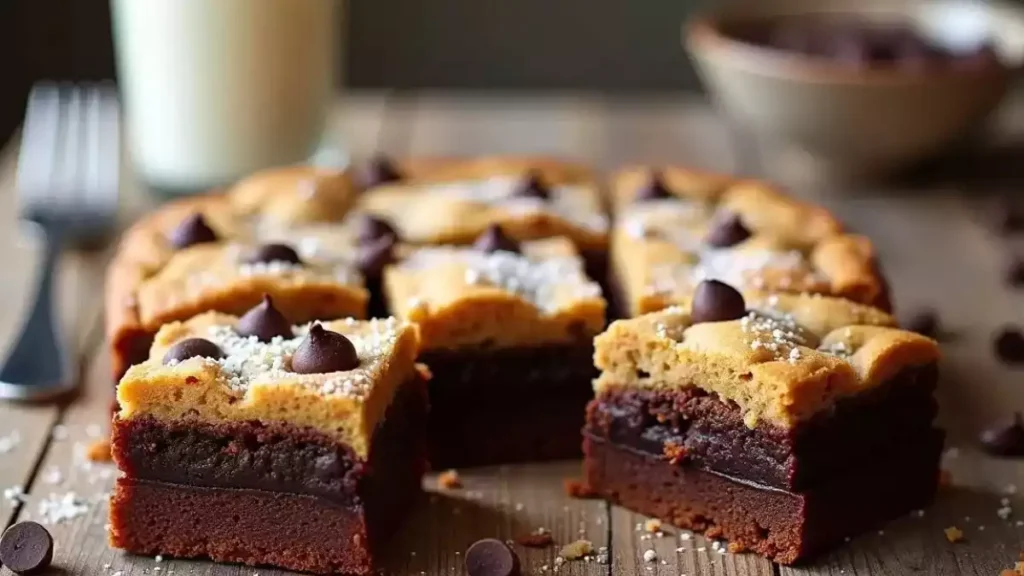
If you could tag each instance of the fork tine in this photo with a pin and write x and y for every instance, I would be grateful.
(71, 147)
(91, 147)
(110, 143)
(36, 158)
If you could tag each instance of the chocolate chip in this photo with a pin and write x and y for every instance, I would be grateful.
(727, 230)
(925, 322)
(323, 351)
(379, 170)
(532, 187)
(191, 231)
(264, 322)
(1004, 438)
(493, 239)
(1008, 218)
(1015, 273)
(26, 548)
(654, 189)
(370, 228)
(192, 348)
(372, 257)
(491, 557)
(1009, 345)
(274, 253)
(715, 301)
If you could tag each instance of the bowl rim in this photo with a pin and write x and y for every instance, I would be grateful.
(703, 37)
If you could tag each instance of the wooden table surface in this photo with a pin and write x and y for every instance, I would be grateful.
(933, 236)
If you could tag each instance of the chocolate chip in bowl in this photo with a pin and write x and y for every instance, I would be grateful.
(857, 89)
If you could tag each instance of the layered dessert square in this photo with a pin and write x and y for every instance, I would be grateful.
(285, 232)
(676, 227)
(507, 331)
(783, 423)
(251, 440)
(452, 201)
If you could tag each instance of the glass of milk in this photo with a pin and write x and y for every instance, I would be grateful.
(216, 89)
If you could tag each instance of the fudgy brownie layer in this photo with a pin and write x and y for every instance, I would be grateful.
(276, 457)
(254, 527)
(508, 405)
(784, 526)
(705, 432)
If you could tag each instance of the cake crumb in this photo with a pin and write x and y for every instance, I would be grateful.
(449, 479)
(673, 452)
(650, 555)
(575, 488)
(735, 548)
(576, 550)
(539, 538)
(954, 534)
(99, 451)
(652, 525)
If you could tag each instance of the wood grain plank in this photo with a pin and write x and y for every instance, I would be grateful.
(25, 428)
(566, 127)
(676, 552)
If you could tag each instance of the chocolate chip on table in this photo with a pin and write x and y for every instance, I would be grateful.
(653, 189)
(727, 230)
(323, 351)
(1015, 273)
(924, 322)
(192, 348)
(191, 231)
(374, 255)
(275, 253)
(491, 557)
(1008, 218)
(1009, 345)
(370, 228)
(264, 321)
(26, 548)
(494, 239)
(532, 187)
(379, 170)
(1004, 438)
(715, 301)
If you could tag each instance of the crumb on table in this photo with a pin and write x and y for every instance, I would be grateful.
(578, 489)
(954, 534)
(449, 480)
(576, 550)
(539, 538)
(99, 451)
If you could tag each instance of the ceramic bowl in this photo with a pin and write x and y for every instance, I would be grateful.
(857, 120)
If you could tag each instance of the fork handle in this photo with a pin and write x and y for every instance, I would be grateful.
(38, 364)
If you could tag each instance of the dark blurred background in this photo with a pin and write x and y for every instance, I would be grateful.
(599, 45)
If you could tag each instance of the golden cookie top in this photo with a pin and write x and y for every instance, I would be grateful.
(246, 377)
(784, 359)
(675, 228)
(196, 254)
(452, 202)
(500, 295)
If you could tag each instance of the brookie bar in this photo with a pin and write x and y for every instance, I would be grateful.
(783, 423)
(250, 440)
(507, 331)
(676, 227)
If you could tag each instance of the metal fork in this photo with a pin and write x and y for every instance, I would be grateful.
(68, 170)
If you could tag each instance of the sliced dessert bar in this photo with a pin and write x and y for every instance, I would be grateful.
(507, 332)
(782, 423)
(250, 440)
(284, 232)
(453, 201)
(675, 227)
